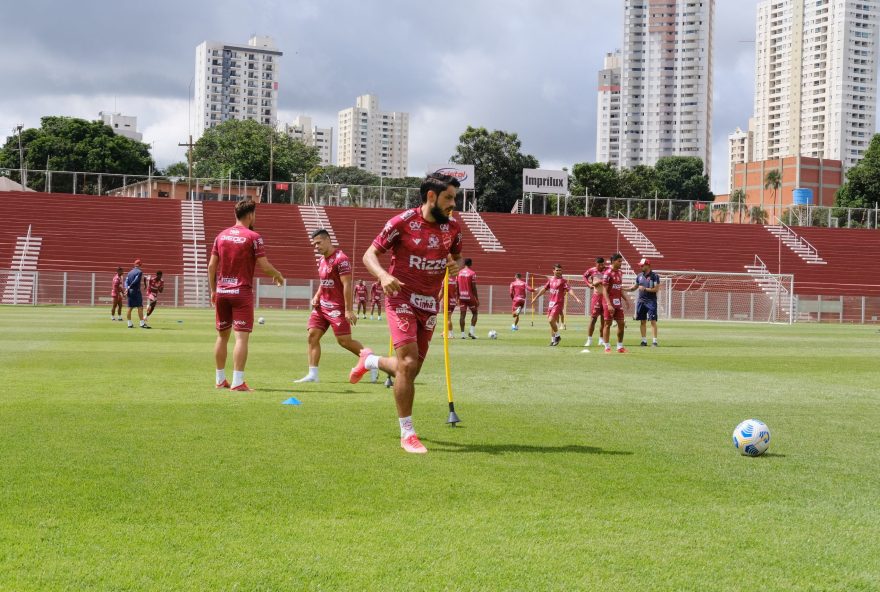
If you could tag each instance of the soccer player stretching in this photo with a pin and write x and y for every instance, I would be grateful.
(468, 299)
(612, 284)
(332, 303)
(117, 291)
(593, 277)
(424, 241)
(376, 299)
(557, 286)
(236, 252)
(648, 284)
(154, 286)
(518, 289)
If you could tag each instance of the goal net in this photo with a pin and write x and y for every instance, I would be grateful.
(697, 296)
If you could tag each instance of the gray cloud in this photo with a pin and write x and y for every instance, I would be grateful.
(521, 65)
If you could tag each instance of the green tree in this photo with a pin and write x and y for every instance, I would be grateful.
(177, 169)
(246, 149)
(499, 164)
(758, 215)
(862, 186)
(639, 182)
(596, 179)
(343, 175)
(738, 202)
(772, 181)
(72, 144)
(682, 178)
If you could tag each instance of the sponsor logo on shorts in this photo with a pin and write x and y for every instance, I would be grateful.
(239, 323)
(403, 324)
(333, 314)
(328, 304)
(403, 309)
(227, 290)
(229, 280)
(431, 322)
(426, 264)
(428, 303)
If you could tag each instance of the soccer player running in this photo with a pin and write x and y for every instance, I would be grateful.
(236, 252)
(376, 299)
(132, 287)
(453, 302)
(424, 241)
(518, 289)
(557, 286)
(648, 284)
(468, 299)
(593, 277)
(117, 291)
(612, 293)
(360, 295)
(155, 286)
(331, 304)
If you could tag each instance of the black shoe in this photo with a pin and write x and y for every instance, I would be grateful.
(553, 342)
(557, 339)
(472, 336)
(644, 344)
(146, 327)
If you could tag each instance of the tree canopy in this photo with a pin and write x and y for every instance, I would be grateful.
(862, 186)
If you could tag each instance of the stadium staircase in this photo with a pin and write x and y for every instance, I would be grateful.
(314, 217)
(771, 286)
(195, 257)
(20, 283)
(801, 246)
(481, 231)
(636, 238)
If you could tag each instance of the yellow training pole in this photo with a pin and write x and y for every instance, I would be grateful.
(453, 418)
(532, 322)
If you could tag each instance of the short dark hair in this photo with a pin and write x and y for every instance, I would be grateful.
(600, 259)
(319, 232)
(519, 275)
(158, 273)
(467, 262)
(557, 266)
(615, 257)
(437, 183)
(119, 270)
(244, 207)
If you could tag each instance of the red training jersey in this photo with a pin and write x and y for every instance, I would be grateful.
(557, 288)
(613, 282)
(467, 284)
(360, 292)
(117, 289)
(594, 275)
(518, 289)
(155, 286)
(419, 252)
(330, 270)
(238, 249)
(376, 291)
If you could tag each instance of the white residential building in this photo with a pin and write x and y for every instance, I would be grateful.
(608, 111)
(124, 125)
(236, 82)
(815, 78)
(666, 81)
(320, 137)
(373, 140)
(741, 149)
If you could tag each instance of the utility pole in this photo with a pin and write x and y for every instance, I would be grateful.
(189, 157)
(21, 173)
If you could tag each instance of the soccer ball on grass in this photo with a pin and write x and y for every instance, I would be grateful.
(751, 437)
(493, 334)
(261, 320)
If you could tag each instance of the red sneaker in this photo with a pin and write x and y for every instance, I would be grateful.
(358, 371)
(224, 384)
(607, 350)
(623, 350)
(242, 388)
(413, 444)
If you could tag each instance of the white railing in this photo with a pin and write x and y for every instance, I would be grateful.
(636, 237)
(805, 248)
(784, 296)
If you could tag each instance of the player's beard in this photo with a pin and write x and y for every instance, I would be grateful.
(439, 215)
(250, 226)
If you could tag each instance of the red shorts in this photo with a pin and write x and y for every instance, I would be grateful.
(116, 295)
(518, 304)
(323, 319)
(597, 306)
(615, 313)
(468, 305)
(235, 311)
(554, 312)
(409, 324)
(453, 302)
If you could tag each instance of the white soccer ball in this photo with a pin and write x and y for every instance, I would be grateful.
(493, 334)
(751, 437)
(261, 320)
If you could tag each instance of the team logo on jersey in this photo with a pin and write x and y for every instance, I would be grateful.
(415, 225)
(327, 304)
(444, 228)
(417, 240)
(433, 241)
(431, 322)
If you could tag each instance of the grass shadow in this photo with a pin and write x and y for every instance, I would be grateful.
(772, 455)
(521, 448)
(296, 391)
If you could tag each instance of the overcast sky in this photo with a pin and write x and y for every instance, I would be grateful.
(526, 66)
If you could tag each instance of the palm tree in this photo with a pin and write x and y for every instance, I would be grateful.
(773, 180)
(738, 202)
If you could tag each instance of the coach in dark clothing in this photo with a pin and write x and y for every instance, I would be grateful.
(133, 290)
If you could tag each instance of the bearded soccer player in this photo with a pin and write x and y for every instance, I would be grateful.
(557, 286)
(376, 299)
(423, 241)
(237, 251)
(612, 288)
(648, 284)
(332, 303)
(117, 291)
(468, 299)
(360, 296)
(518, 289)
(593, 277)
(155, 286)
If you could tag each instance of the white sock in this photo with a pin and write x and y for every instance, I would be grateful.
(221, 375)
(380, 317)
(129, 324)
(655, 340)
(237, 378)
(619, 345)
(463, 334)
(589, 341)
(473, 330)
(406, 427)
(313, 372)
(372, 362)
(142, 323)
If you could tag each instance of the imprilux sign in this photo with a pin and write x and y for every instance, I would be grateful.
(544, 181)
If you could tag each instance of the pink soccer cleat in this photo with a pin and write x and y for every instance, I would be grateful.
(358, 371)
(224, 384)
(242, 388)
(413, 445)
(623, 350)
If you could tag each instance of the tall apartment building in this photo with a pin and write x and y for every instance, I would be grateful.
(666, 81)
(373, 140)
(608, 111)
(815, 78)
(320, 137)
(124, 125)
(236, 82)
(741, 149)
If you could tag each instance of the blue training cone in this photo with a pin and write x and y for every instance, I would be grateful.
(291, 401)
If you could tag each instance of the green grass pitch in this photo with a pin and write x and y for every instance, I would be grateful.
(122, 468)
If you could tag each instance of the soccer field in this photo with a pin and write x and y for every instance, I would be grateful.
(122, 468)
